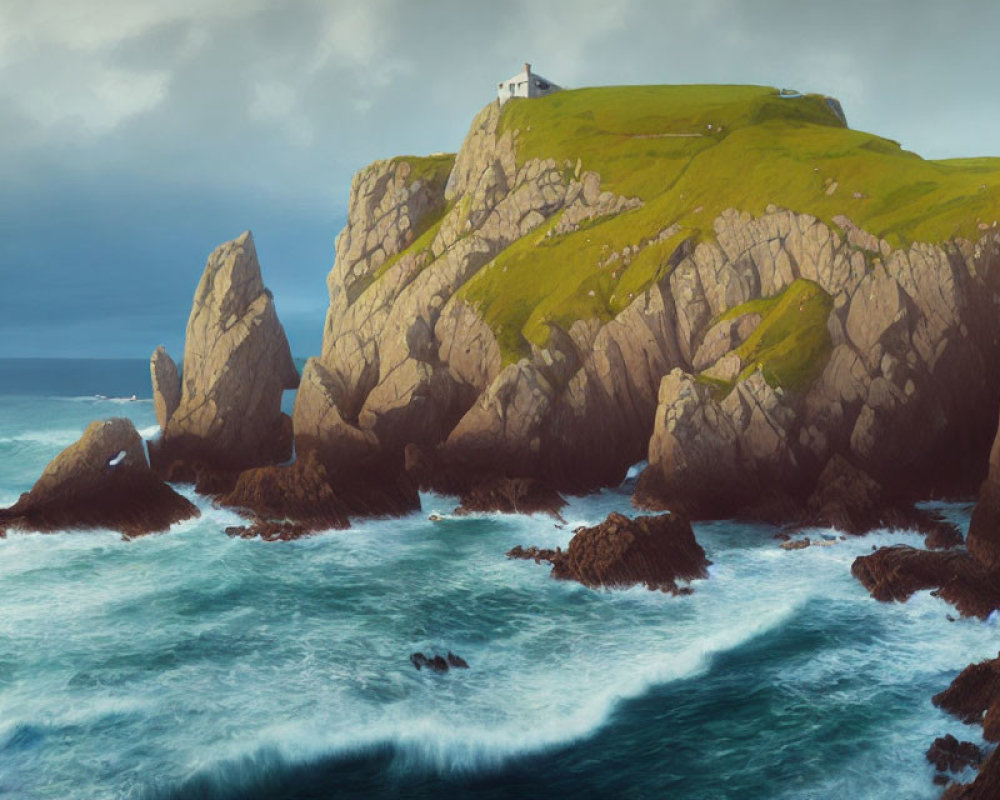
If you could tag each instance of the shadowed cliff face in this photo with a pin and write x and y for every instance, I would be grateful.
(747, 361)
(902, 389)
(407, 361)
(226, 413)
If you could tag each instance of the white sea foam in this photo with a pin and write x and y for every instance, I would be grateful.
(208, 650)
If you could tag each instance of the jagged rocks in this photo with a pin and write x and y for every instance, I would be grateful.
(438, 663)
(714, 458)
(983, 540)
(947, 754)
(166, 382)
(895, 573)
(236, 365)
(974, 697)
(511, 496)
(101, 481)
(305, 493)
(849, 500)
(620, 552)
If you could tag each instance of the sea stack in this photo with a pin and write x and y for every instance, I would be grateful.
(236, 366)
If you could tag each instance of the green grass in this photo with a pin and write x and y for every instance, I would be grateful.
(791, 345)
(653, 142)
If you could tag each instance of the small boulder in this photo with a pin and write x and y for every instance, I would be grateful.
(101, 481)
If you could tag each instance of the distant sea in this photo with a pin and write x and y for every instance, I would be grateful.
(191, 665)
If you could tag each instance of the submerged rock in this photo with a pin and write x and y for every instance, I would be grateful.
(620, 552)
(438, 663)
(101, 481)
(236, 366)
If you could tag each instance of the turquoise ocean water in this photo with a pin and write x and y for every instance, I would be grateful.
(191, 665)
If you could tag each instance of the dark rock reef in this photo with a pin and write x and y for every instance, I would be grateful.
(438, 663)
(968, 578)
(100, 481)
(974, 697)
(621, 552)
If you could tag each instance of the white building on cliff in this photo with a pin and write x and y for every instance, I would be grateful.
(525, 84)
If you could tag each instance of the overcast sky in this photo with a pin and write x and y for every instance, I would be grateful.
(135, 136)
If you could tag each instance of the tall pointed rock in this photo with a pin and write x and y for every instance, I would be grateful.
(236, 365)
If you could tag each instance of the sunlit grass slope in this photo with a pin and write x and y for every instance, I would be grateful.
(690, 152)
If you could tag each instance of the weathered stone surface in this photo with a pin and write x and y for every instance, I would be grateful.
(983, 540)
(620, 552)
(901, 396)
(166, 385)
(949, 754)
(713, 458)
(511, 496)
(895, 573)
(305, 493)
(100, 481)
(974, 697)
(847, 499)
(236, 366)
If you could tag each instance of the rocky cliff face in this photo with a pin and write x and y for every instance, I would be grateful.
(226, 413)
(407, 361)
(754, 354)
(900, 390)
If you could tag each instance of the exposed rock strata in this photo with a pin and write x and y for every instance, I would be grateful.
(100, 481)
(408, 361)
(907, 328)
(236, 365)
(620, 552)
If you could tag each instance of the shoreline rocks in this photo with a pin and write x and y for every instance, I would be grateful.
(101, 481)
(621, 552)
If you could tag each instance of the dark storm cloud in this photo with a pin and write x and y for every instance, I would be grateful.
(137, 135)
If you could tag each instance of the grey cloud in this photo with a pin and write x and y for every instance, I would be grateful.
(192, 120)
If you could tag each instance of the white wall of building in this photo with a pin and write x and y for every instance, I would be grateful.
(525, 84)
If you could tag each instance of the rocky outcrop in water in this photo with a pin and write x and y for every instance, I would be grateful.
(100, 481)
(974, 697)
(620, 552)
(968, 578)
(438, 663)
(511, 496)
(236, 366)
